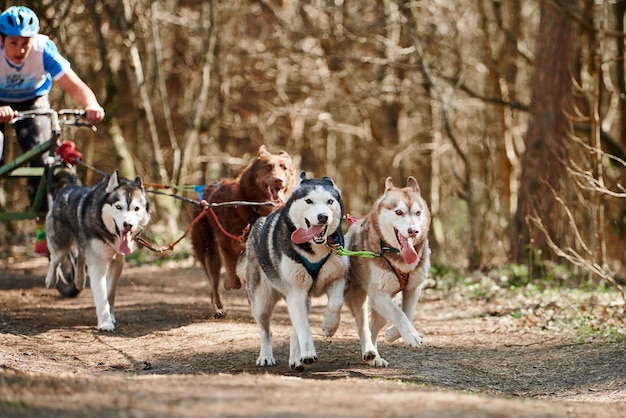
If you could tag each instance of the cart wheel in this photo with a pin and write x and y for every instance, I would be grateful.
(66, 272)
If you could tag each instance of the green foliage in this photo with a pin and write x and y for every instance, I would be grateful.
(145, 256)
(560, 301)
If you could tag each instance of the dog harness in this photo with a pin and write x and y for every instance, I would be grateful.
(403, 278)
(244, 233)
(314, 268)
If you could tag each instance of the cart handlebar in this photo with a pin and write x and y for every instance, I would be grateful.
(74, 117)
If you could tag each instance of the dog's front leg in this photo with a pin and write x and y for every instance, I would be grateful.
(409, 303)
(357, 302)
(263, 299)
(115, 271)
(385, 306)
(98, 275)
(294, 351)
(332, 315)
(298, 303)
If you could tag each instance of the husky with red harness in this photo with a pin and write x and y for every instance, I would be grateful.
(396, 231)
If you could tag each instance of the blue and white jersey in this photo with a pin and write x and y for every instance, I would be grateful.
(34, 77)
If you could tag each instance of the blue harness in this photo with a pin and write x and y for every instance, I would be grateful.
(314, 268)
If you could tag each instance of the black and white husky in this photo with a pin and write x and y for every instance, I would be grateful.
(101, 222)
(288, 254)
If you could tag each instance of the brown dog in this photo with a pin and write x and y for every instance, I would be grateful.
(216, 238)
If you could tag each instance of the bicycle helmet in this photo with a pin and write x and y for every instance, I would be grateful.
(19, 21)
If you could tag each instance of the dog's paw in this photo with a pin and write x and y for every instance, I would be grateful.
(392, 334)
(369, 355)
(80, 282)
(329, 326)
(51, 279)
(310, 359)
(378, 362)
(232, 282)
(304, 360)
(106, 326)
(414, 339)
(51, 283)
(296, 365)
(264, 361)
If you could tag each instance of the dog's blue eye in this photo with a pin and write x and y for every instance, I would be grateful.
(309, 201)
(118, 207)
(418, 213)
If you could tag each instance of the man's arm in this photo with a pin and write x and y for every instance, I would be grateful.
(84, 96)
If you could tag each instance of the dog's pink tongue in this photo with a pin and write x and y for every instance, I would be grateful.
(408, 251)
(278, 195)
(125, 238)
(301, 235)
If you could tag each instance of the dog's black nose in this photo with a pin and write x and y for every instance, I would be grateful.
(322, 218)
(128, 226)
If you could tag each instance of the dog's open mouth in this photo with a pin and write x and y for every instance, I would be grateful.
(126, 238)
(276, 194)
(317, 233)
(406, 248)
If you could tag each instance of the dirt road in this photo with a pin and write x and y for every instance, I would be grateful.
(170, 358)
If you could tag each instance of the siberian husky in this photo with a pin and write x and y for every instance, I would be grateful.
(396, 229)
(101, 222)
(288, 254)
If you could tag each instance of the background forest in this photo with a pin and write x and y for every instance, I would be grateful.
(509, 113)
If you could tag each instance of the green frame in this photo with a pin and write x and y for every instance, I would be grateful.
(17, 168)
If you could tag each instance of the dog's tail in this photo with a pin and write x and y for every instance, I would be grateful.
(57, 179)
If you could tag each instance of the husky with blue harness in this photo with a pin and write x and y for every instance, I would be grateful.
(291, 254)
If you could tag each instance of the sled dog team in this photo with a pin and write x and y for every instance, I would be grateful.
(292, 251)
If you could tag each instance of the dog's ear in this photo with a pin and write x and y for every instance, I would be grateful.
(388, 184)
(412, 183)
(114, 182)
(139, 182)
(262, 151)
(302, 176)
(332, 182)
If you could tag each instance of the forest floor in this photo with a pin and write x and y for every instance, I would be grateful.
(489, 353)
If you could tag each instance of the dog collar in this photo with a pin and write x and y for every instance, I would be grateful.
(385, 249)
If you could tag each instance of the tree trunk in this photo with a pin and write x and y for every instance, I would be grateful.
(543, 164)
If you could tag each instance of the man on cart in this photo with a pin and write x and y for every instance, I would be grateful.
(29, 63)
